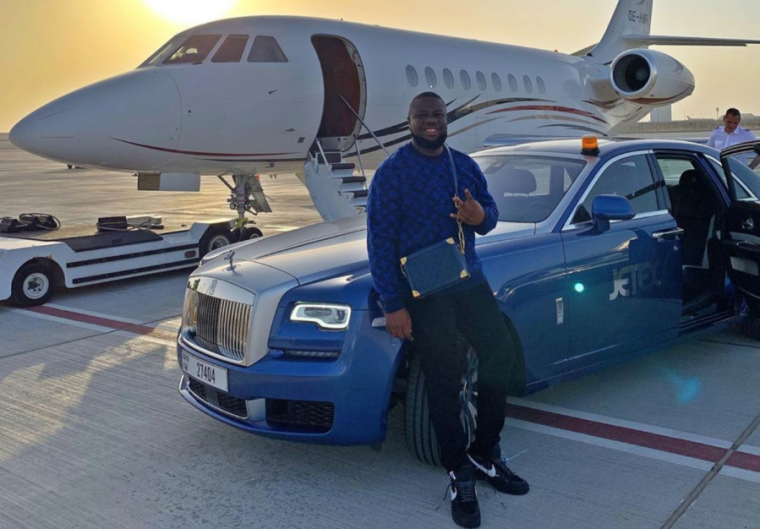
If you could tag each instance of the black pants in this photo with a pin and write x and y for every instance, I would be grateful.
(435, 322)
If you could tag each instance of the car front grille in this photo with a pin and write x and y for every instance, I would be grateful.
(222, 326)
(300, 415)
(218, 399)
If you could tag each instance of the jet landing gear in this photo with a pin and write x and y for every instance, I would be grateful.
(246, 196)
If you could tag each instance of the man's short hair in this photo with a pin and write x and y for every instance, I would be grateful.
(734, 112)
(425, 95)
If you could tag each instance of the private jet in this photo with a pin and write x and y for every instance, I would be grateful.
(269, 94)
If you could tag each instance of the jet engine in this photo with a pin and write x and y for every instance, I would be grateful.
(648, 77)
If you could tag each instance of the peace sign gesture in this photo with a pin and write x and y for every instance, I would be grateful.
(470, 211)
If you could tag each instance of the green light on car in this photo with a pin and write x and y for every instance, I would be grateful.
(579, 287)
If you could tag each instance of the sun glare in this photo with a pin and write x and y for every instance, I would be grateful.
(191, 12)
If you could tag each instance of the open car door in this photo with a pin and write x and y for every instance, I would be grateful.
(742, 222)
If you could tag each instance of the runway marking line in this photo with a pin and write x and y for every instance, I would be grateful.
(527, 411)
(101, 321)
(631, 436)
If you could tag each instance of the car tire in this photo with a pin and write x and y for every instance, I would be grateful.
(215, 237)
(421, 440)
(751, 325)
(33, 285)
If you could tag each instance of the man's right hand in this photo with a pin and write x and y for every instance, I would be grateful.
(399, 324)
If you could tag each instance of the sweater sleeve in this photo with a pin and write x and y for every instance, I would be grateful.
(481, 194)
(384, 218)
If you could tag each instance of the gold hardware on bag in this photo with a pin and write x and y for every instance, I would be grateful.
(415, 294)
(403, 261)
(450, 240)
(464, 274)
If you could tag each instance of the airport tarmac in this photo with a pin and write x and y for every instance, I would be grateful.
(94, 434)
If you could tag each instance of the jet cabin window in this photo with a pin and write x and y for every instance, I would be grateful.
(231, 49)
(430, 77)
(411, 76)
(512, 83)
(528, 84)
(528, 188)
(194, 50)
(266, 49)
(481, 80)
(628, 177)
(465, 78)
(496, 80)
(448, 78)
(541, 85)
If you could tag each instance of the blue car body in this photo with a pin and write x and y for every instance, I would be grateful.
(577, 299)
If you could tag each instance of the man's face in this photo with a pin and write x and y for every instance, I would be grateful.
(427, 121)
(731, 122)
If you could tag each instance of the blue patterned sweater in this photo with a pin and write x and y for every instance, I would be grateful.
(408, 208)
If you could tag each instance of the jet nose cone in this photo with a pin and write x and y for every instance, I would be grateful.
(92, 126)
(29, 133)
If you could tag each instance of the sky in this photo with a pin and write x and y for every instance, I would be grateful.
(52, 47)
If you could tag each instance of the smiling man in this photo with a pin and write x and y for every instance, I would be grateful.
(413, 204)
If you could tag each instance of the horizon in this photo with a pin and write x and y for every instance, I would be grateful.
(75, 43)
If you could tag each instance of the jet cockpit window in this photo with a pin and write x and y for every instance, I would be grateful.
(266, 49)
(194, 50)
(231, 49)
(163, 52)
(528, 188)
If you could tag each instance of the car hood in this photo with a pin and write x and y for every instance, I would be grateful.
(331, 249)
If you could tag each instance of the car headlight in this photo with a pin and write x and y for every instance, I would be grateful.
(332, 317)
(190, 311)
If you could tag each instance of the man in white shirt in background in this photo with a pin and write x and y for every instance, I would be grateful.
(732, 134)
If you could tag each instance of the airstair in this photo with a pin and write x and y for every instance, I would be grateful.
(336, 187)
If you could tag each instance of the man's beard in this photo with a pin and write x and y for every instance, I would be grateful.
(431, 145)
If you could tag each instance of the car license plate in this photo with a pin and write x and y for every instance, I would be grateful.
(210, 374)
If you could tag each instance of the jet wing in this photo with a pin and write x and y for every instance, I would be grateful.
(664, 40)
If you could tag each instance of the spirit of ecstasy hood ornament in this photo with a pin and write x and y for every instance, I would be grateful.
(228, 257)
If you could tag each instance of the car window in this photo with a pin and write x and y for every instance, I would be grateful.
(629, 177)
(194, 50)
(742, 192)
(528, 188)
(673, 168)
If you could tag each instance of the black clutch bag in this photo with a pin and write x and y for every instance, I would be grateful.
(440, 265)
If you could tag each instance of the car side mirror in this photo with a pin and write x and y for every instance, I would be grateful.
(610, 207)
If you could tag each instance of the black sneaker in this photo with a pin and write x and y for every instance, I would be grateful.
(464, 499)
(496, 473)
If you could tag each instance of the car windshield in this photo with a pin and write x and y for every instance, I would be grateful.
(528, 188)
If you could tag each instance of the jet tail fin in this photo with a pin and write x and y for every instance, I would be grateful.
(630, 28)
(631, 17)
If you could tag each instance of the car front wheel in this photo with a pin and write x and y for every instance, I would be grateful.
(421, 439)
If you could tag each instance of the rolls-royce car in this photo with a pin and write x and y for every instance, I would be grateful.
(603, 252)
